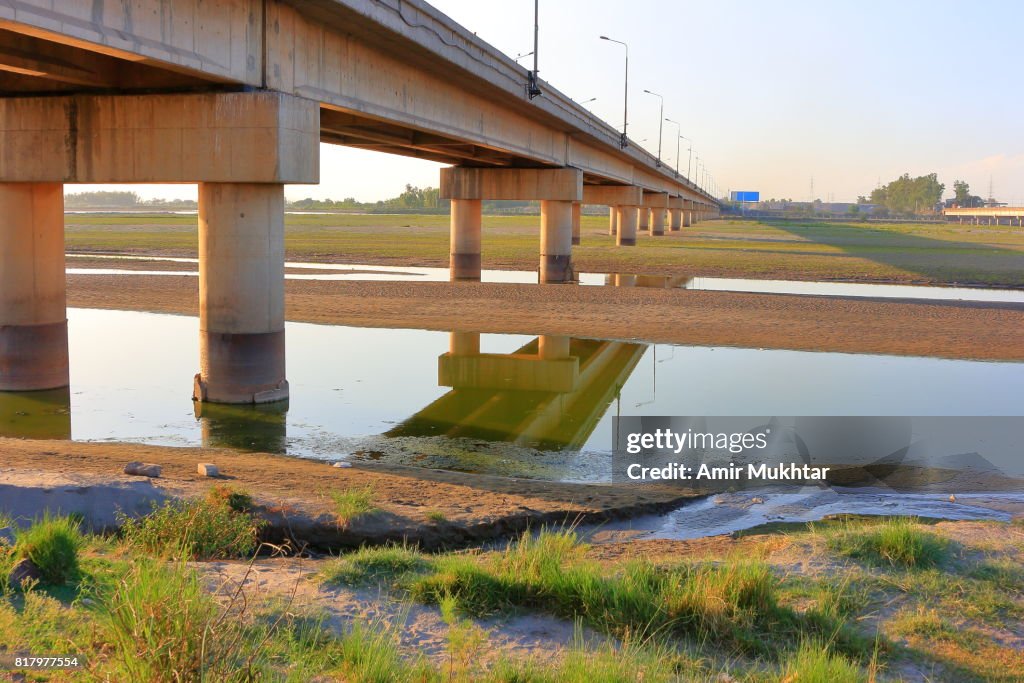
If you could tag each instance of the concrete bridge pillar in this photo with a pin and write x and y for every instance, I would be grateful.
(617, 198)
(577, 217)
(33, 314)
(557, 189)
(241, 147)
(687, 218)
(627, 221)
(675, 220)
(643, 219)
(556, 232)
(241, 293)
(657, 222)
(467, 215)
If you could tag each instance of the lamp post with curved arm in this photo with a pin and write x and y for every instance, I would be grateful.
(661, 120)
(625, 105)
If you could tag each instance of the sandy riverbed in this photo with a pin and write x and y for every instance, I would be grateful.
(946, 329)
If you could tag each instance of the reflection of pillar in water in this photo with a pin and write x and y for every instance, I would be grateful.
(36, 414)
(552, 347)
(262, 427)
(464, 343)
(625, 280)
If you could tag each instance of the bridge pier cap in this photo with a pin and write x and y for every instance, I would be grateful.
(558, 190)
(247, 137)
(555, 184)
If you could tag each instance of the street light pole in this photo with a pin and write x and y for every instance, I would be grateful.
(625, 100)
(661, 121)
(679, 137)
(532, 89)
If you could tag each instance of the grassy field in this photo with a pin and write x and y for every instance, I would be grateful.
(918, 253)
(845, 601)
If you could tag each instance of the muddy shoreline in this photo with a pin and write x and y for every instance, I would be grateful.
(431, 509)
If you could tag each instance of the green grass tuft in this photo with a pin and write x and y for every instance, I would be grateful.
(194, 529)
(734, 603)
(351, 504)
(158, 620)
(896, 541)
(52, 544)
(375, 564)
(814, 663)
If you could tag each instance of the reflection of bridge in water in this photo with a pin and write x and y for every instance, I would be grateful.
(261, 428)
(36, 414)
(551, 392)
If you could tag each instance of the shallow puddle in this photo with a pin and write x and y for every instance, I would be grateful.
(341, 271)
(398, 396)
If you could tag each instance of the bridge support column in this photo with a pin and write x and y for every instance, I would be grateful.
(675, 220)
(643, 219)
(241, 293)
(556, 229)
(613, 216)
(627, 221)
(657, 222)
(577, 217)
(465, 239)
(556, 188)
(33, 313)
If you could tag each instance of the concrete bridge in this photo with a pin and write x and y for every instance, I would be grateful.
(988, 215)
(236, 95)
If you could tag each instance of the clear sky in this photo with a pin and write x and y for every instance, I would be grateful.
(771, 93)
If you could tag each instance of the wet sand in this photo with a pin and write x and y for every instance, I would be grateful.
(986, 331)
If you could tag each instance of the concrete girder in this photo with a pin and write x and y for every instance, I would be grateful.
(613, 195)
(258, 137)
(556, 184)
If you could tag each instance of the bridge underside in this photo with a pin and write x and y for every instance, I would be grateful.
(236, 96)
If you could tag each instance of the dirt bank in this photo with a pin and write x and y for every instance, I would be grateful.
(429, 508)
(945, 329)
